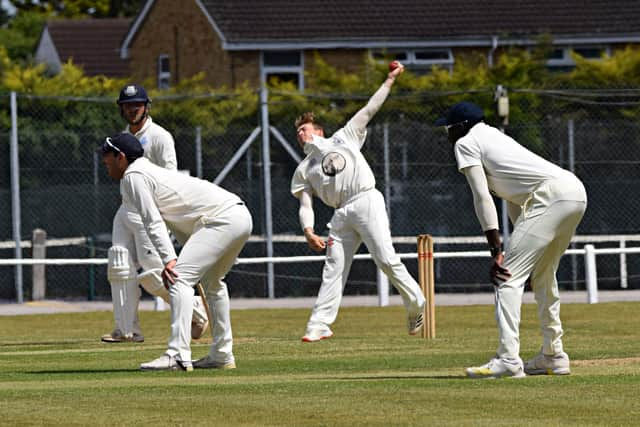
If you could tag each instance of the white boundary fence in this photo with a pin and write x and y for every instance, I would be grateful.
(589, 252)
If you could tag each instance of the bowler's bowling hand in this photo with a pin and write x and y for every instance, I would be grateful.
(498, 274)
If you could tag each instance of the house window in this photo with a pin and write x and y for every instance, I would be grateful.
(164, 72)
(282, 66)
(419, 61)
(559, 59)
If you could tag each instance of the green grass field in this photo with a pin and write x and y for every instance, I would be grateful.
(54, 371)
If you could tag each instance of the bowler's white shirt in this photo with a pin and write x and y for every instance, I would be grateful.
(182, 201)
(335, 170)
(512, 171)
(158, 144)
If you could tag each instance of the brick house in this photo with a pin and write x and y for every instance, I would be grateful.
(233, 41)
(93, 44)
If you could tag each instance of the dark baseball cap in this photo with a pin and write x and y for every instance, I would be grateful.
(460, 112)
(124, 143)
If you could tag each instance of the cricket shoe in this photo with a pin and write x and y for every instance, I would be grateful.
(317, 334)
(208, 362)
(118, 336)
(415, 322)
(543, 364)
(497, 368)
(167, 363)
(199, 320)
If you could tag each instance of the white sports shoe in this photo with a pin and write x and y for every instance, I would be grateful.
(118, 336)
(208, 363)
(317, 334)
(415, 322)
(543, 364)
(167, 363)
(497, 368)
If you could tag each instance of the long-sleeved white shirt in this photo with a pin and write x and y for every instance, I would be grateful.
(158, 144)
(182, 201)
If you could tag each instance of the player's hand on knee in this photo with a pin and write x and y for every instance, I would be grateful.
(169, 274)
(498, 274)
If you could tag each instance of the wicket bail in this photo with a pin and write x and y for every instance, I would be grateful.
(427, 284)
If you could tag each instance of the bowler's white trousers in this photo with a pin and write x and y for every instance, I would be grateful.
(541, 234)
(207, 256)
(129, 232)
(362, 219)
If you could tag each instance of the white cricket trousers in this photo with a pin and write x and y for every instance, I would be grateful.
(541, 234)
(207, 256)
(361, 219)
(129, 232)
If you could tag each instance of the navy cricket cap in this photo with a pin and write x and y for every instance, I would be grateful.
(460, 112)
(122, 143)
(133, 93)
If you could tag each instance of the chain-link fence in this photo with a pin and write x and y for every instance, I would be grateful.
(65, 190)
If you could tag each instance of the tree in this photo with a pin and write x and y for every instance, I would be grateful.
(81, 8)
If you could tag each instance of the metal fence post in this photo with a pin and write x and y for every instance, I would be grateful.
(15, 196)
(266, 170)
(199, 151)
(382, 279)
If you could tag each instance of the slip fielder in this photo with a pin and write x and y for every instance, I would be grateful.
(131, 248)
(546, 204)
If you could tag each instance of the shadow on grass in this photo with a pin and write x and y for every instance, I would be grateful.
(84, 371)
(399, 377)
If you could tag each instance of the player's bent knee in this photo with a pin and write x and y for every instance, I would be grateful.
(151, 281)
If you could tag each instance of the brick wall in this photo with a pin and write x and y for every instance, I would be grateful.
(192, 49)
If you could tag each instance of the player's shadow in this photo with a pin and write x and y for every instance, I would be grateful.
(400, 377)
(84, 371)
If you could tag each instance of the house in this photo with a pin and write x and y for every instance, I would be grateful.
(233, 41)
(93, 44)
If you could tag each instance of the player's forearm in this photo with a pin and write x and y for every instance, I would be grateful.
(305, 212)
(364, 116)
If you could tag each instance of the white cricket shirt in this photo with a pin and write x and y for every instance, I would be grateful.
(182, 201)
(512, 171)
(335, 170)
(158, 144)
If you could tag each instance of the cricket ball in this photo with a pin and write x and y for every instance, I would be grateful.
(393, 65)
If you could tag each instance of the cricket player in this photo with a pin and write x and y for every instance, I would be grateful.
(546, 204)
(131, 248)
(213, 226)
(335, 171)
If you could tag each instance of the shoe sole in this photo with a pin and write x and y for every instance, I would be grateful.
(179, 366)
(557, 371)
(323, 337)
(119, 340)
(493, 377)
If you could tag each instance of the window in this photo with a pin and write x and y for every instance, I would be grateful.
(559, 59)
(419, 61)
(164, 72)
(282, 66)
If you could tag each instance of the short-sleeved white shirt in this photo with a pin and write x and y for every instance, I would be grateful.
(512, 171)
(334, 169)
(158, 144)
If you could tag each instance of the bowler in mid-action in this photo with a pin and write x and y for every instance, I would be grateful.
(336, 172)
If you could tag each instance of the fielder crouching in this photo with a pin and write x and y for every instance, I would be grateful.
(131, 247)
(213, 226)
